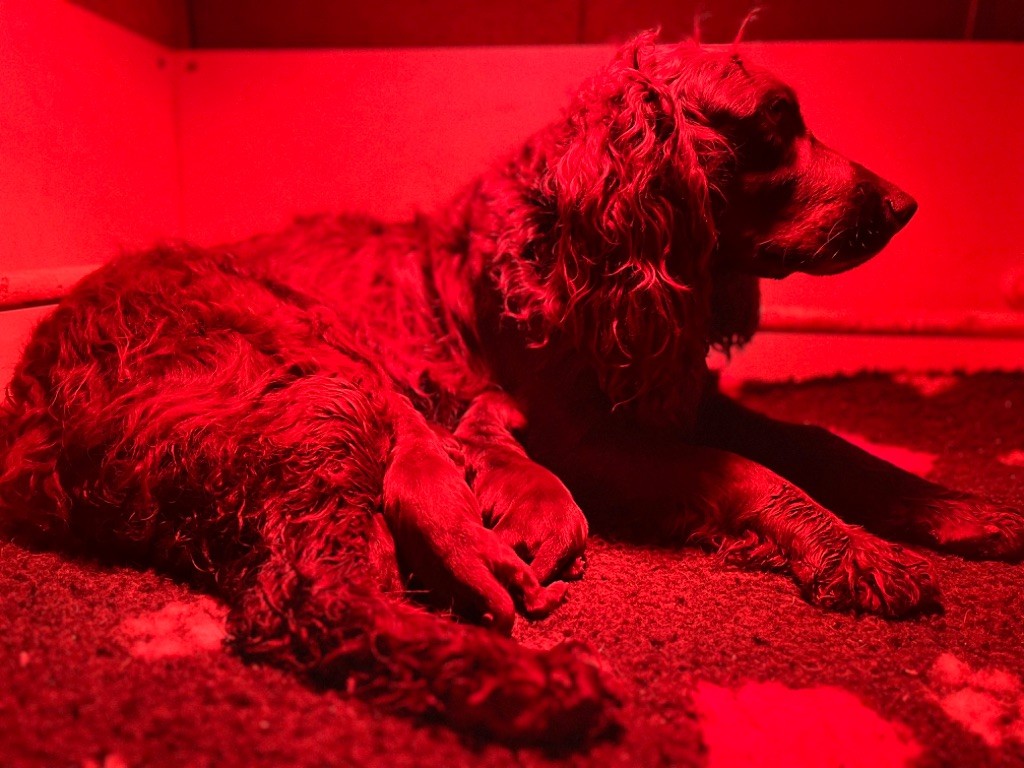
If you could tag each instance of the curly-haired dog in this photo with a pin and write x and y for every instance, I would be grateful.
(314, 423)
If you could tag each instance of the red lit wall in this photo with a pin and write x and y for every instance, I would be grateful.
(87, 149)
(111, 141)
(88, 157)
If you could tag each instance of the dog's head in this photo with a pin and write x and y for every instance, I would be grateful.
(678, 171)
(790, 203)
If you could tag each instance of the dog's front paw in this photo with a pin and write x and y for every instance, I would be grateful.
(532, 511)
(874, 576)
(973, 527)
(444, 549)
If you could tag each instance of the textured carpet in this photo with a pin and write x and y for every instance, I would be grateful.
(113, 667)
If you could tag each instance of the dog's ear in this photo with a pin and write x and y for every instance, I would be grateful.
(634, 229)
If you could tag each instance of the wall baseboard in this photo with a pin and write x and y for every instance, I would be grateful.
(36, 287)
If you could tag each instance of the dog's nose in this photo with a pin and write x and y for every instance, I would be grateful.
(900, 206)
(897, 207)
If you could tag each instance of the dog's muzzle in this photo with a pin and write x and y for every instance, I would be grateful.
(878, 210)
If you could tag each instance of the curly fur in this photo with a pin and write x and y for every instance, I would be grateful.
(323, 424)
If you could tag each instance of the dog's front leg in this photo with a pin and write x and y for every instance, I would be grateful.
(693, 493)
(439, 535)
(863, 488)
(526, 505)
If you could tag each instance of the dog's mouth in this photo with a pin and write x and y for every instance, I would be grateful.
(858, 249)
(863, 242)
(773, 262)
(847, 247)
(838, 266)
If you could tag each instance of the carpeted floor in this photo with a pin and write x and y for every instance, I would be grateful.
(720, 667)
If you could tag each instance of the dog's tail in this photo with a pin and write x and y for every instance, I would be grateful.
(336, 626)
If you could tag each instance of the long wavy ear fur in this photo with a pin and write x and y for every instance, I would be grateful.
(634, 230)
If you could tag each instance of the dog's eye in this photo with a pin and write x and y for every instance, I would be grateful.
(764, 138)
(783, 115)
(779, 106)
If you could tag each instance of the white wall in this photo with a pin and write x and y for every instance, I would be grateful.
(88, 161)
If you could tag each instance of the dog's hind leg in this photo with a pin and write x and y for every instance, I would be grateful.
(326, 599)
(241, 451)
(326, 616)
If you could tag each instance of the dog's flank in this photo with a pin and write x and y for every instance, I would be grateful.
(331, 426)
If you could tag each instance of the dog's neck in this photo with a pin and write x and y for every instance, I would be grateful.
(735, 308)
(498, 234)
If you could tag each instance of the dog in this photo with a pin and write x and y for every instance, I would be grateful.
(341, 426)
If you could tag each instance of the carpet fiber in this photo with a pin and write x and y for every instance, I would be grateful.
(113, 667)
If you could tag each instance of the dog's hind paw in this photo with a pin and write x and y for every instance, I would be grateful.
(560, 699)
(874, 576)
